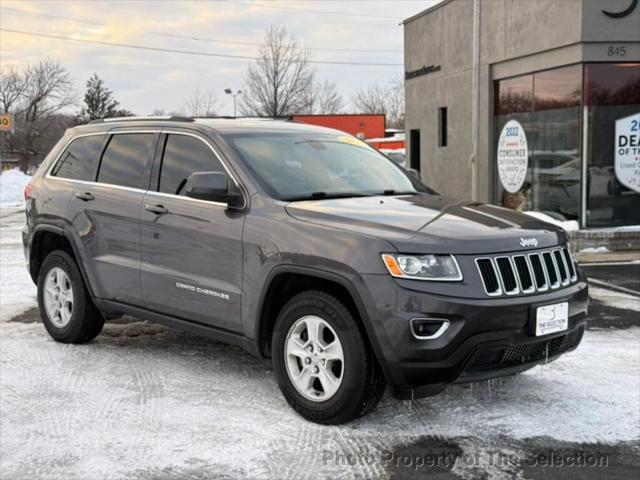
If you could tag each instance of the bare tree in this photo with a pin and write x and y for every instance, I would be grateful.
(276, 83)
(396, 103)
(12, 88)
(387, 99)
(201, 104)
(38, 98)
(322, 98)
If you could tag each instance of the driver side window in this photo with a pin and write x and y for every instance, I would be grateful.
(182, 156)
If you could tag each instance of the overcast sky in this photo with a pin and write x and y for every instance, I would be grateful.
(144, 80)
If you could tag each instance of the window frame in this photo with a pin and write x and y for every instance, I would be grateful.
(153, 176)
(58, 158)
(149, 160)
(156, 172)
(162, 148)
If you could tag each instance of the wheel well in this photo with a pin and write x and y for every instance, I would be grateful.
(283, 287)
(43, 244)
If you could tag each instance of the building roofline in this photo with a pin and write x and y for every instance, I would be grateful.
(427, 11)
(337, 115)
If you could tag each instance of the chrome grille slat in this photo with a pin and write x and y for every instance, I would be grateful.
(538, 269)
(550, 268)
(569, 262)
(562, 267)
(527, 273)
(507, 275)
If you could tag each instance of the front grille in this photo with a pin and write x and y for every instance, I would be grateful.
(523, 274)
(531, 352)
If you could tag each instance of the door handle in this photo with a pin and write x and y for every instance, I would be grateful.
(85, 196)
(157, 209)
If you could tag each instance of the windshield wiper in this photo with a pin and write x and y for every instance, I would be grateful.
(324, 196)
(394, 192)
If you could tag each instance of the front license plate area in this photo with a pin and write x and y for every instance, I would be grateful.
(552, 318)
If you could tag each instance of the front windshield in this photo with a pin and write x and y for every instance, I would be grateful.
(298, 166)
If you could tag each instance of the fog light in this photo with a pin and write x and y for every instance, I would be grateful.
(428, 328)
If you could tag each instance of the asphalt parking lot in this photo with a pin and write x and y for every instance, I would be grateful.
(613, 287)
(146, 402)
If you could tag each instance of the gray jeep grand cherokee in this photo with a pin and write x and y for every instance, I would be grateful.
(303, 246)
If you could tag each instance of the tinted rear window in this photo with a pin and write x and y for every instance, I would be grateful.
(80, 159)
(184, 155)
(125, 160)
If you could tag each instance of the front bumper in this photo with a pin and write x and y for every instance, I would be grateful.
(486, 338)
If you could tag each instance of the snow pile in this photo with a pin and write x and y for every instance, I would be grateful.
(12, 183)
(595, 250)
(568, 226)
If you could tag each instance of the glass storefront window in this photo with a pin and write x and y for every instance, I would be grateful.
(547, 105)
(612, 92)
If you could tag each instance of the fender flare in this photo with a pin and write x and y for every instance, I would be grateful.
(330, 276)
(63, 232)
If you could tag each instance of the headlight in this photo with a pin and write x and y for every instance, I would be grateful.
(443, 268)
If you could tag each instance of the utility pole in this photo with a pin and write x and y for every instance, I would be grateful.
(228, 91)
(475, 98)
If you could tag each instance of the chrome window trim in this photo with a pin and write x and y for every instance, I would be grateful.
(495, 272)
(48, 175)
(438, 333)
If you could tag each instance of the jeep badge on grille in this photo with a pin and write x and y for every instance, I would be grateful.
(529, 242)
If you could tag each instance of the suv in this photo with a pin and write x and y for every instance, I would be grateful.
(302, 245)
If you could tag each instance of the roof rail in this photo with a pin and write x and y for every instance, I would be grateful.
(172, 118)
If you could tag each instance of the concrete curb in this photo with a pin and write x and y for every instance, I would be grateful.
(608, 257)
(614, 240)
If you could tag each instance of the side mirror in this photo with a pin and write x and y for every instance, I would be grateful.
(414, 173)
(213, 186)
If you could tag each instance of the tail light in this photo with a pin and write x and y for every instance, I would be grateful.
(27, 191)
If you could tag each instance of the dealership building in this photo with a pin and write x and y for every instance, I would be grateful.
(533, 105)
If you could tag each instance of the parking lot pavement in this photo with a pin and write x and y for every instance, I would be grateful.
(625, 276)
(614, 295)
(146, 402)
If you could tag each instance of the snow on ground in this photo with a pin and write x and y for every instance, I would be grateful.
(568, 226)
(144, 401)
(17, 291)
(615, 299)
(12, 183)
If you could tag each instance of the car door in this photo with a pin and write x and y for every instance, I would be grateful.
(105, 214)
(192, 253)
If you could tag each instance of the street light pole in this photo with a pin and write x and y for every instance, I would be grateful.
(228, 91)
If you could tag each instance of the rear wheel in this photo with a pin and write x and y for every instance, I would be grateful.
(66, 308)
(323, 364)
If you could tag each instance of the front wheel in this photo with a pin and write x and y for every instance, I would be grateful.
(323, 363)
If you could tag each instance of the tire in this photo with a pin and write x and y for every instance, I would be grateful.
(360, 380)
(69, 318)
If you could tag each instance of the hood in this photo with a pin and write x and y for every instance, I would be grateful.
(432, 224)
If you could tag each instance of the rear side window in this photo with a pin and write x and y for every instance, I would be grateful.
(79, 161)
(184, 155)
(125, 160)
